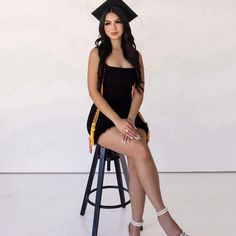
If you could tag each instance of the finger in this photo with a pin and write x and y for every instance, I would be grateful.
(126, 139)
(132, 124)
(132, 134)
(123, 138)
(132, 128)
(131, 137)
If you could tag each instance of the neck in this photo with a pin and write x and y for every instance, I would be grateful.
(116, 44)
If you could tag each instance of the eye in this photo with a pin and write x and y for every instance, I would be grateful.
(119, 22)
(107, 23)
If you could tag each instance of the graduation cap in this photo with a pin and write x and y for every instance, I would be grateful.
(114, 3)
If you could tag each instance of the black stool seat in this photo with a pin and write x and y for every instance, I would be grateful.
(104, 156)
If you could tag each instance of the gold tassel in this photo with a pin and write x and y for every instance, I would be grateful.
(93, 127)
(92, 130)
(95, 118)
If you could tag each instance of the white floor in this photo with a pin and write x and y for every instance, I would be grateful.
(49, 205)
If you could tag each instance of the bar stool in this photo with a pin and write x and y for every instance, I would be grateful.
(104, 156)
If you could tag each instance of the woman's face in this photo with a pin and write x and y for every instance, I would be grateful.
(113, 26)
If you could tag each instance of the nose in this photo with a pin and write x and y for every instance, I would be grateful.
(114, 25)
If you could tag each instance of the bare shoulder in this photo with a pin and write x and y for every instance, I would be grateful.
(94, 58)
(94, 54)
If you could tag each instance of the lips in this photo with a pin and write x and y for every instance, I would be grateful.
(114, 33)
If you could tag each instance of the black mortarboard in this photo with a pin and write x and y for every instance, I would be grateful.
(114, 3)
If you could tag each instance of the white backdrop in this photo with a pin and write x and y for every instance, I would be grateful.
(189, 51)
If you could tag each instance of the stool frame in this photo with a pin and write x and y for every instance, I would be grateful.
(104, 156)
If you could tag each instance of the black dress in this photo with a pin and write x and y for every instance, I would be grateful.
(117, 90)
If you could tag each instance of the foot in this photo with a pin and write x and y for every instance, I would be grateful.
(135, 228)
(168, 224)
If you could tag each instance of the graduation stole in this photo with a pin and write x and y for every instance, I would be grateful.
(95, 118)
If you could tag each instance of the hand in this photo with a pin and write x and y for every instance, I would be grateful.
(126, 138)
(127, 129)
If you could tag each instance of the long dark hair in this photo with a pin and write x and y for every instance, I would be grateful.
(130, 52)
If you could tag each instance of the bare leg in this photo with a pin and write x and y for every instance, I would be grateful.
(136, 192)
(138, 151)
(137, 197)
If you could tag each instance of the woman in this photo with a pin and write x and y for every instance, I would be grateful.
(116, 86)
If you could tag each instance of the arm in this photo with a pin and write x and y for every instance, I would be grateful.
(122, 124)
(97, 98)
(136, 101)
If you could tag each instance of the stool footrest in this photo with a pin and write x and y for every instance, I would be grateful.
(109, 206)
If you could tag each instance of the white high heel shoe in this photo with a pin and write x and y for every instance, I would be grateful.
(162, 212)
(136, 224)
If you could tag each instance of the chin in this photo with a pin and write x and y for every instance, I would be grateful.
(115, 37)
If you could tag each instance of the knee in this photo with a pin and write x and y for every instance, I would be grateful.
(133, 174)
(132, 168)
(143, 152)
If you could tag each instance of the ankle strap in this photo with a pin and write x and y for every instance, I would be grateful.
(163, 211)
(136, 223)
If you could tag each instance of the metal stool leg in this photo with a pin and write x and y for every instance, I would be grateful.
(90, 181)
(120, 182)
(125, 169)
(99, 191)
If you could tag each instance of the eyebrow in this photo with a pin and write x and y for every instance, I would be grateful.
(110, 21)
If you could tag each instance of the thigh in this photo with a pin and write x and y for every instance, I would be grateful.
(112, 139)
(142, 134)
(131, 161)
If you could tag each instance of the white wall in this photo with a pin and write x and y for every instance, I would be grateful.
(189, 51)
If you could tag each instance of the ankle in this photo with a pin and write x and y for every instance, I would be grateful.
(162, 212)
(137, 224)
(168, 223)
(135, 227)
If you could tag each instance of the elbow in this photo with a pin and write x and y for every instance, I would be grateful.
(92, 94)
